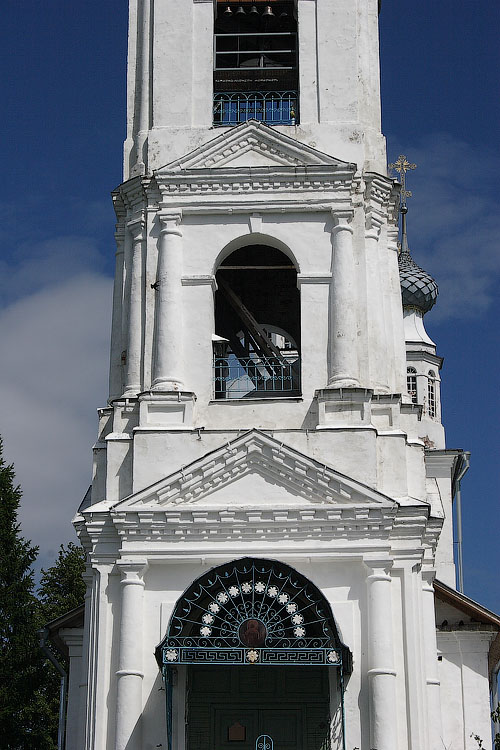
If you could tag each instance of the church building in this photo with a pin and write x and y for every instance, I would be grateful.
(270, 524)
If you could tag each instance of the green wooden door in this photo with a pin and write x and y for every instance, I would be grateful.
(228, 708)
(284, 725)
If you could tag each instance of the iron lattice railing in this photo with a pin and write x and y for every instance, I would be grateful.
(271, 107)
(255, 376)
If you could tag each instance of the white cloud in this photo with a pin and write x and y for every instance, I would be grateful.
(53, 376)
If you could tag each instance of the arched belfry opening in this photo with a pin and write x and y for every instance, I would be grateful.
(261, 654)
(255, 62)
(257, 325)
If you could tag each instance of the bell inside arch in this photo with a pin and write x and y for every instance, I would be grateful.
(269, 19)
(285, 21)
(253, 17)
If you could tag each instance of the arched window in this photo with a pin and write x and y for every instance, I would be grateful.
(411, 384)
(257, 325)
(431, 394)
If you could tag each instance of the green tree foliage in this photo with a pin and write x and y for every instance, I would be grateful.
(29, 684)
(495, 717)
(25, 704)
(62, 587)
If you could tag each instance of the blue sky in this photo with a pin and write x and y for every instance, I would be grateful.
(63, 124)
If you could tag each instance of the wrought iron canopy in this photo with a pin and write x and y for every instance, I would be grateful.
(253, 612)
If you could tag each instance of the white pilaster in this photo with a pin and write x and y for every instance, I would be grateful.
(130, 674)
(434, 723)
(168, 342)
(134, 319)
(143, 81)
(115, 370)
(393, 314)
(73, 638)
(376, 331)
(414, 655)
(308, 56)
(86, 725)
(381, 672)
(344, 368)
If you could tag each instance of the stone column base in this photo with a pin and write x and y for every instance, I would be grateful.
(166, 409)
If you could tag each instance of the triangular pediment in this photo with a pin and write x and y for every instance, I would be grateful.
(253, 144)
(254, 470)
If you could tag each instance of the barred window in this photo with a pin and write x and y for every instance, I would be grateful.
(411, 384)
(431, 393)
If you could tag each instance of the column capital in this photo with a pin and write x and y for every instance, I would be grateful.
(373, 224)
(132, 571)
(392, 237)
(170, 222)
(428, 578)
(379, 569)
(342, 220)
(120, 237)
(136, 227)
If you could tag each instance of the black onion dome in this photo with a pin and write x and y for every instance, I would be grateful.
(418, 288)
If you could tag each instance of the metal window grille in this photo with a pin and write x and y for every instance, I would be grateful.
(244, 52)
(237, 377)
(271, 107)
(411, 384)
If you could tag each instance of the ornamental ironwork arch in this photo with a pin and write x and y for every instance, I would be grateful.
(253, 611)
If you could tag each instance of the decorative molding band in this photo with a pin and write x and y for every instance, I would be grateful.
(200, 208)
(349, 527)
(381, 671)
(319, 278)
(218, 184)
(201, 280)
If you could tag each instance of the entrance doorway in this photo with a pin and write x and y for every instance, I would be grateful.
(228, 708)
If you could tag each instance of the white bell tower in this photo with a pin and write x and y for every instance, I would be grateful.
(186, 58)
(270, 503)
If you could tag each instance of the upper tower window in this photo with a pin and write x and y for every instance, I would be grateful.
(411, 384)
(255, 62)
(431, 393)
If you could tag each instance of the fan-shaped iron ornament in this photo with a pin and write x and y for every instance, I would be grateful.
(253, 612)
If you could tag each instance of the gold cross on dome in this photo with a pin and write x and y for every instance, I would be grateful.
(402, 165)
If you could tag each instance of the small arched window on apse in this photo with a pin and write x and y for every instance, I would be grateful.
(411, 383)
(257, 325)
(431, 394)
